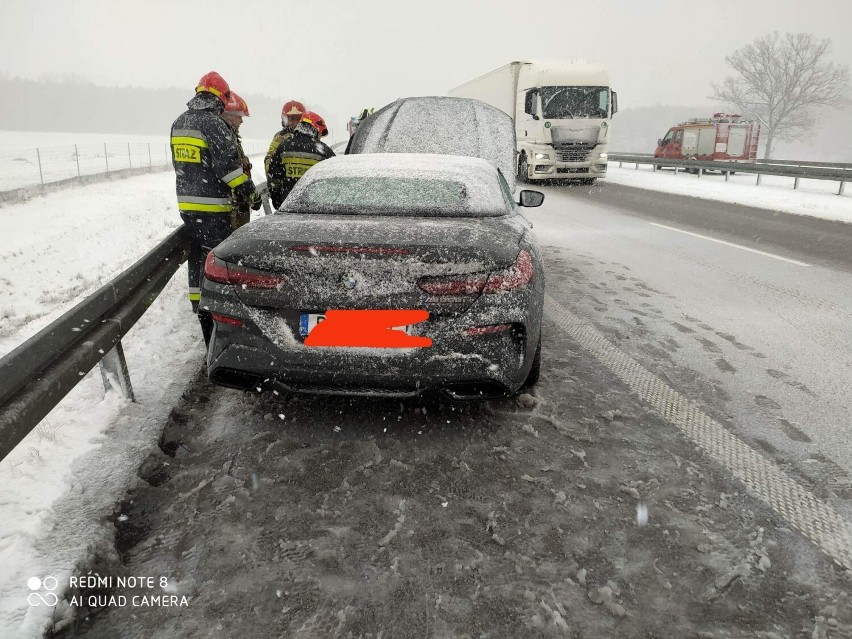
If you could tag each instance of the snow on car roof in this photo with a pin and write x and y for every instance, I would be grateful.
(441, 125)
(400, 183)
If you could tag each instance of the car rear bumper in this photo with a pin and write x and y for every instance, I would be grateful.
(265, 354)
(473, 367)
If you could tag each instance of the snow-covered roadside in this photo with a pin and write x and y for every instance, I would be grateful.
(816, 198)
(62, 481)
(56, 249)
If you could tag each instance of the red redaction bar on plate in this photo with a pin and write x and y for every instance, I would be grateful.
(368, 329)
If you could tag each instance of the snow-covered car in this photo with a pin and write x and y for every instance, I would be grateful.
(436, 234)
(441, 125)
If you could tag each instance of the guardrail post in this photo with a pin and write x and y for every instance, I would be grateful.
(842, 187)
(727, 175)
(619, 165)
(758, 178)
(40, 174)
(129, 160)
(150, 164)
(795, 183)
(77, 157)
(636, 168)
(114, 366)
(675, 171)
(106, 157)
(700, 172)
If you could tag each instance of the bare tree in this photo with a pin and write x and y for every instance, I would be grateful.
(779, 81)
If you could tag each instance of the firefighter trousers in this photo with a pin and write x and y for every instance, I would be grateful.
(206, 231)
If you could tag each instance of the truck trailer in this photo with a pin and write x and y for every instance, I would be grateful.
(562, 115)
(722, 137)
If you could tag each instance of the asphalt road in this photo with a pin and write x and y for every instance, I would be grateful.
(316, 517)
(747, 310)
(810, 239)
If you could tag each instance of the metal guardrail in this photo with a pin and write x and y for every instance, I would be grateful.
(839, 172)
(40, 372)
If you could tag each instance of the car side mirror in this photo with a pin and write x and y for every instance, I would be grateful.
(660, 142)
(531, 198)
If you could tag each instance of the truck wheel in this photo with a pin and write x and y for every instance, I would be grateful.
(523, 169)
(693, 171)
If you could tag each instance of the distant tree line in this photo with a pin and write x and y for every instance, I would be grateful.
(73, 105)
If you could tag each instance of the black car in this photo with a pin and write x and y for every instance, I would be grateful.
(437, 234)
(441, 125)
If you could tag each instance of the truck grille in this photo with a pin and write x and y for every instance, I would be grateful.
(574, 152)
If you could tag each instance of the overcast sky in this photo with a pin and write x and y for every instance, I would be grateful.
(347, 54)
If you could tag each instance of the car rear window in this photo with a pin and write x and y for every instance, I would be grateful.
(388, 195)
(400, 185)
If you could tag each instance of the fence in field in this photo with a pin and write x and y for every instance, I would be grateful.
(24, 168)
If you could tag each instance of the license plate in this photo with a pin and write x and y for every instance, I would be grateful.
(307, 322)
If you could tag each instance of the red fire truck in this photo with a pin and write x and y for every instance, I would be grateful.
(722, 137)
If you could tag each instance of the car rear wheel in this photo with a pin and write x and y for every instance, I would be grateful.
(535, 370)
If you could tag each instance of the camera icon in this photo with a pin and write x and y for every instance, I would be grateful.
(36, 598)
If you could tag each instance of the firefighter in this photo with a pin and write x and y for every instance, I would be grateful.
(291, 115)
(208, 174)
(296, 155)
(235, 110)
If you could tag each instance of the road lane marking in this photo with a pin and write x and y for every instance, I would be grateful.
(739, 246)
(764, 479)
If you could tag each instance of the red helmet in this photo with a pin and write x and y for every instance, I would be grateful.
(292, 107)
(214, 83)
(316, 121)
(237, 106)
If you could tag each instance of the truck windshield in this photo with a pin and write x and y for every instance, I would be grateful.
(574, 102)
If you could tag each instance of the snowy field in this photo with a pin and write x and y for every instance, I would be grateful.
(62, 482)
(817, 198)
(66, 155)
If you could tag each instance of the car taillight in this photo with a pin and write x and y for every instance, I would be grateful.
(514, 277)
(217, 270)
(487, 330)
(225, 319)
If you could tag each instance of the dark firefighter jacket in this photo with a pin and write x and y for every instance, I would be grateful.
(278, 138)
(241, 214)
(207, 162)
(292, 159)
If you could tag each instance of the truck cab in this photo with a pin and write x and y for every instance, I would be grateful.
(562, 121)
(669, 146)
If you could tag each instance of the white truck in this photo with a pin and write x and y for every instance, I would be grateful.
(562, 115)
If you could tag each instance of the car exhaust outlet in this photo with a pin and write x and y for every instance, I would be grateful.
(236, 379)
